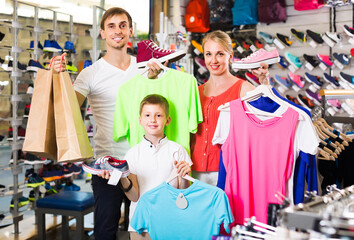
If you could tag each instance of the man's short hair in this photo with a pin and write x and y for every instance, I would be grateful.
(155, 99)
(115, 11)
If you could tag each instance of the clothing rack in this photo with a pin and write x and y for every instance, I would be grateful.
(336, 94)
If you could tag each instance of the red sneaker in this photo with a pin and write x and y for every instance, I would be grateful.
(147, 49)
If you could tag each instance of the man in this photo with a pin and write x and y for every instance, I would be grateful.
(100, 83)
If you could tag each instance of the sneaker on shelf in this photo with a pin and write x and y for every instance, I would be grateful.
(252, 79)
(332, 80)
(293, 60)
(296, 79)
(335, 103)
(308, 103)
(50, 191)
(313, 96)
(346, 77)
(348, 30)
(52, 46)
(333, 36)
(71, 187)
(256, 42)
(22, 201)
(46, 65)
(106, 163)
(21, 132)
(284, 39)
(2, 35)
(87, 63)
(70, 67)
(197, 45)
(69, 47)
(266, 37)
(283, 81)
(27, 109)
(20, 66)
(32, 159)
(312, 60)
(271, 81)
(2, 188)
(314, 79)
(326, 60)
(28, 172)
(34, 65)
(76, 170)
(147, 49)
(314, 36)
(30, 89)
(244, 43)
(283, 64)
(20, 157)
(201, 63)
(298, 34)
(342, 58)
(39, 45)
(34, 180)
(352, 52)
(32, 196)
(52, 174)
(254, 60)
(293, 99)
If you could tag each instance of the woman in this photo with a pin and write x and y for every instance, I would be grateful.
(221, 87)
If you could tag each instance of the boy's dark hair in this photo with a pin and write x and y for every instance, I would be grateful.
(115, 11)
(155, 99)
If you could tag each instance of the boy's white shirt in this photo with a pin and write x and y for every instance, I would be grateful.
(100, 83)
(153, 165)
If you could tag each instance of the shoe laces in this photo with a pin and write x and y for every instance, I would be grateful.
(253, 55)
(102, 160)
(157, 48)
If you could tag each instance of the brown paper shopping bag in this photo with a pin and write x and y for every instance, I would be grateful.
(40, 131)
(72, 140)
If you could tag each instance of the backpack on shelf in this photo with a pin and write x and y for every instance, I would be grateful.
(272, 11)
(197, 16)
(302, 5)
(245, 12)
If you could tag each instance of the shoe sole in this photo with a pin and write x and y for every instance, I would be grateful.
(51, 49)
(93, 171)
(32, 69)
(173, 57)
(335, 41)
(269, 61)
(343, 79)
(348, 33)
(293, 64)
(303, 104)
(325, 63)
(34, 185)
(330, 82)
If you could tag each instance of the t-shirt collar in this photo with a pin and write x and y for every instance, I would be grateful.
(149, 144)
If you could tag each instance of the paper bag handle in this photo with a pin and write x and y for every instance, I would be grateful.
(61, 62)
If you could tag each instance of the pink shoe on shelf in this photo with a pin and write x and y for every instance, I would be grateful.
(254, 60)
(335, 103)
(297, 79)
(325, 59)
(147, 49)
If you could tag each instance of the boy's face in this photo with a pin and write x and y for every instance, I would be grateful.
(153, 119)
(117, 31)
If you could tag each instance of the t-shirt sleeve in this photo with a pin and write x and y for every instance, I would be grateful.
(82, 82)
(222, 210)
(141, 218)
(222, 128)
(195, 108)
(120, 121)
(306, 138)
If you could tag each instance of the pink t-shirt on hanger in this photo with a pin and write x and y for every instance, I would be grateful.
(258, 157)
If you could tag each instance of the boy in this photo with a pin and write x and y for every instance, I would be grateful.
(152, 161)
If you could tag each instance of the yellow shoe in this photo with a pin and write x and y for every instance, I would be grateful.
(197, 46)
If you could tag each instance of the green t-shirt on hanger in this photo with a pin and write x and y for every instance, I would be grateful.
(181, 91)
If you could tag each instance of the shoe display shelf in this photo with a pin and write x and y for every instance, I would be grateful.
(15, 79)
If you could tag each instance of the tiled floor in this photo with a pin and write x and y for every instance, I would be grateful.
(27, 225)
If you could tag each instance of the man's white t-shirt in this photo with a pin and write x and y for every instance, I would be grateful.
(100, 84)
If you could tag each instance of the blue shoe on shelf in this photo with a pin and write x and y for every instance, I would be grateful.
(87, 63)
(69, 47)
(332, 80)
(39, 45)
(293, 60)
(313, 79)
(283, 63)
(71, 187)
(283, 81)
(52, 46)
(34, 65)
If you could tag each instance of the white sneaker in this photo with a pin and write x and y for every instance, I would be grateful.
(333, 36)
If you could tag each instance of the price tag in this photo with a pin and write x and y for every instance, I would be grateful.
(323, 66)
(296, 88)
(267, 47)
(338, 64)
(292, 68)
(278, 44)
(196, 51)
(239, 49)
(331, 111)
(281, 89)
(309, 66)
(313, 44)
(115, 177)
(314, 88)
(343, 84)
(328, 41)
(253, 48)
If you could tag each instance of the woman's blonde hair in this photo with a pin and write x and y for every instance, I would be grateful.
(220, 37)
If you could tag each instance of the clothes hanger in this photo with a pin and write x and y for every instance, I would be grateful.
(323, 137)
(331, 134)
(325, 155)
(174, 173)
(152, 60)
(333, 130)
